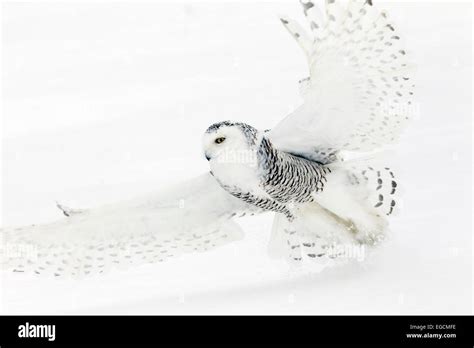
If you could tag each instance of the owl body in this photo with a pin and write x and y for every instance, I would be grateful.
(352, 198)
(262, 175)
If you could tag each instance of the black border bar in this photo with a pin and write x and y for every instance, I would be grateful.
(293, 331)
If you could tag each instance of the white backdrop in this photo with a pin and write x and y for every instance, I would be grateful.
(103, 101)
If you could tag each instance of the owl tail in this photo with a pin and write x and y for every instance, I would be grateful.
(373, 181)
(346, 219)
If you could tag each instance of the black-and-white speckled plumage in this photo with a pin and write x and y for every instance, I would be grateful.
(287, 179)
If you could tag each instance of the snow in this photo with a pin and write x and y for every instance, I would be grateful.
(104, 101)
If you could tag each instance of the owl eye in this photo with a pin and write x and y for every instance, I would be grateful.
(219, 140)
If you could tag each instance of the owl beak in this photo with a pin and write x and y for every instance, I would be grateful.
(207, 156)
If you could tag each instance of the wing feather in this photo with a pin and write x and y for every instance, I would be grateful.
(360, 91)
(192, 217)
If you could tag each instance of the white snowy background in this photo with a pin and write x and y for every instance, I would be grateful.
(103, 101)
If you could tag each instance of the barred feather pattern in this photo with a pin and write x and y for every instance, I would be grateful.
(285, 178)
(382, 183)
(289, 178)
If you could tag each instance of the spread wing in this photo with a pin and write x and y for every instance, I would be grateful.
(359, 93)
(192, 217)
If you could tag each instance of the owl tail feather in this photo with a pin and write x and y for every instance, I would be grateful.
(345, 220)
(316, 234)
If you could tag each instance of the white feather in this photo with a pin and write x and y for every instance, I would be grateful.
(195, 216)
(359, 96)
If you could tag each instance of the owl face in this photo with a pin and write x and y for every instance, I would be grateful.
(229, 142)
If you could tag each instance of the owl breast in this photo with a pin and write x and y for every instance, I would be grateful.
(289, 178)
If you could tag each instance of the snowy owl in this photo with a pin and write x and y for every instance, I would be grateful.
(319, 170)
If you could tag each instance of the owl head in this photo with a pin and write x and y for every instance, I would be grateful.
(230, 142)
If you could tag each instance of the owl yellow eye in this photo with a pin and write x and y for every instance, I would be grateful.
(219, 140)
